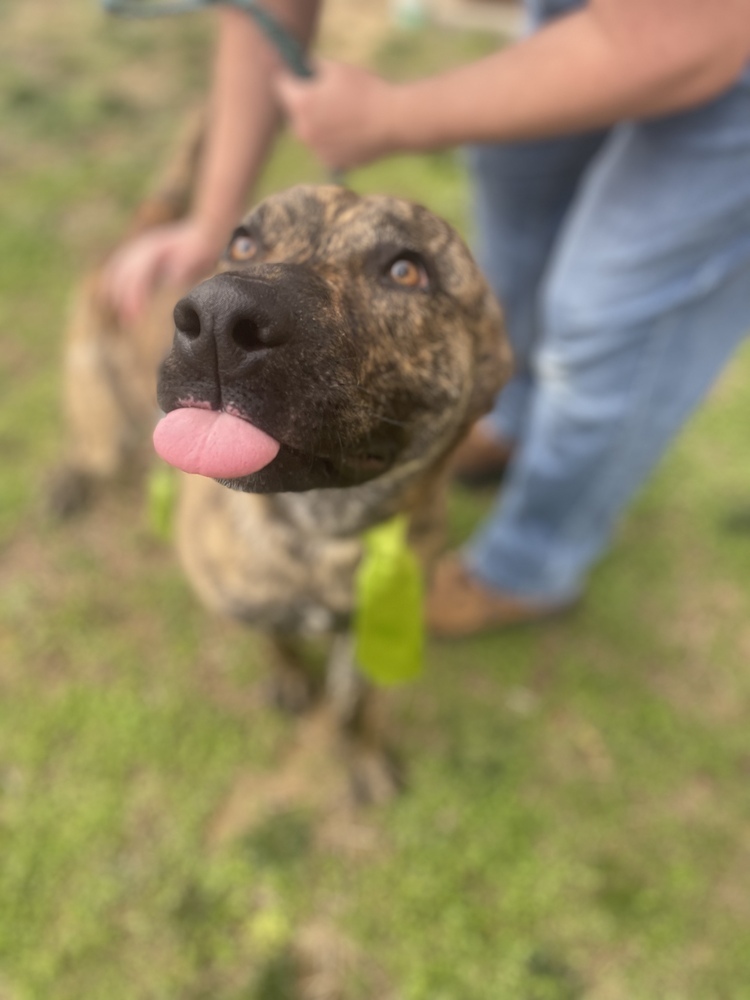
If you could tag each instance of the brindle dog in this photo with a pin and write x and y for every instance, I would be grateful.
(359, 333)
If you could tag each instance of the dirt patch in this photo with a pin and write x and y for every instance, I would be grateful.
(326, 962)
(712, 617)
(311, 777)
(576, 748)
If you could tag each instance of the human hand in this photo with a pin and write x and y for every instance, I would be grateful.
(344, 114)
(177, 254)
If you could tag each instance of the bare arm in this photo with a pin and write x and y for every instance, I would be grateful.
(244, 111)
(612, 60)
(243, 117)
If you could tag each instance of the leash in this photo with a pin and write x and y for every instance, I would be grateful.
(290, 50)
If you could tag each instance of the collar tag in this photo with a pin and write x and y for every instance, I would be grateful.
(389, 627)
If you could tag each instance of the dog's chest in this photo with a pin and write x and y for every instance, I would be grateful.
(249, 560)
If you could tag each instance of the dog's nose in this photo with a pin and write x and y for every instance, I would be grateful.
(230, 312)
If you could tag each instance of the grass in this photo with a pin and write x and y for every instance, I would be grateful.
(578, 813)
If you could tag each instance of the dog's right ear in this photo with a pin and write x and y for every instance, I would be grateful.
(494, 359)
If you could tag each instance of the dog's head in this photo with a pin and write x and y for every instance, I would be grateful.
(344, 337)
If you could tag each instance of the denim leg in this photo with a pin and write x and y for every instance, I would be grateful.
(646, 297)
(521, 194)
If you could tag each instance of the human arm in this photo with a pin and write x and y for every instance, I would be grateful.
(609, 61)
(242, 122)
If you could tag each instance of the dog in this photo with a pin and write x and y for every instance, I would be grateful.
(346, 344)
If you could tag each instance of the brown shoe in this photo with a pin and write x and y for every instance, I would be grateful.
(459, 606)
(481, 459)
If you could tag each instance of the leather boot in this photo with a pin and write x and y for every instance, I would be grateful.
(480, 459)
(459, 606)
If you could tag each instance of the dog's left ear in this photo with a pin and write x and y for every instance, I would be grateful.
(494, 359)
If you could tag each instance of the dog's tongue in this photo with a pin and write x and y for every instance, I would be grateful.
(211, 443)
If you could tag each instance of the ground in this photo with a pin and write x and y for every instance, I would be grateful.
(577, 822)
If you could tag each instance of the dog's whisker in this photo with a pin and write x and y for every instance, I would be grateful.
(388, 420)
(342, 450)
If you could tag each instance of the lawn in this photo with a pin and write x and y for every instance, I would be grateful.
(577, 822)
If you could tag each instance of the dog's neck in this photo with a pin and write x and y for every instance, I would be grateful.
(342, 513)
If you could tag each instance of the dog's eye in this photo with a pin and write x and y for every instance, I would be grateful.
(242, 247)
(408, 273)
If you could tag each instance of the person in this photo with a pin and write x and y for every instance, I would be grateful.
(609, 148)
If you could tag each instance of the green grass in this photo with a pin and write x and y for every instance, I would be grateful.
(577, 820)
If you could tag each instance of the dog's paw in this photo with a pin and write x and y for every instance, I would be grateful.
(376, 777)
(292, 692)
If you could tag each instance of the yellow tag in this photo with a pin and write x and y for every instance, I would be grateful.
(162, 496)
(389, 627)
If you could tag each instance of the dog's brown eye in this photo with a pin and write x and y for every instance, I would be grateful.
(408, 273)
(243, 247)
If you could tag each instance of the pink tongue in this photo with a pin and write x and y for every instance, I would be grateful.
(214, 444)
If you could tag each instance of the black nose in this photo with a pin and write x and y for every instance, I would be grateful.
(229, 313)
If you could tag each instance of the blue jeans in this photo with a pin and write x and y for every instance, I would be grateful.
(623, 262)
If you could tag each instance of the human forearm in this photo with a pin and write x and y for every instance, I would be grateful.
(611, 61)
(576, 74)
(242, 118)
(243, 111)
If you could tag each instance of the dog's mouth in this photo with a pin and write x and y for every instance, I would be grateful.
(224, 445)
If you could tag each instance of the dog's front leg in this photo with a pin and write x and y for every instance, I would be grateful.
(294, 686)
(374, 771)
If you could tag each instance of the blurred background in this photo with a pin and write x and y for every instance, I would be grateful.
(577, 823)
